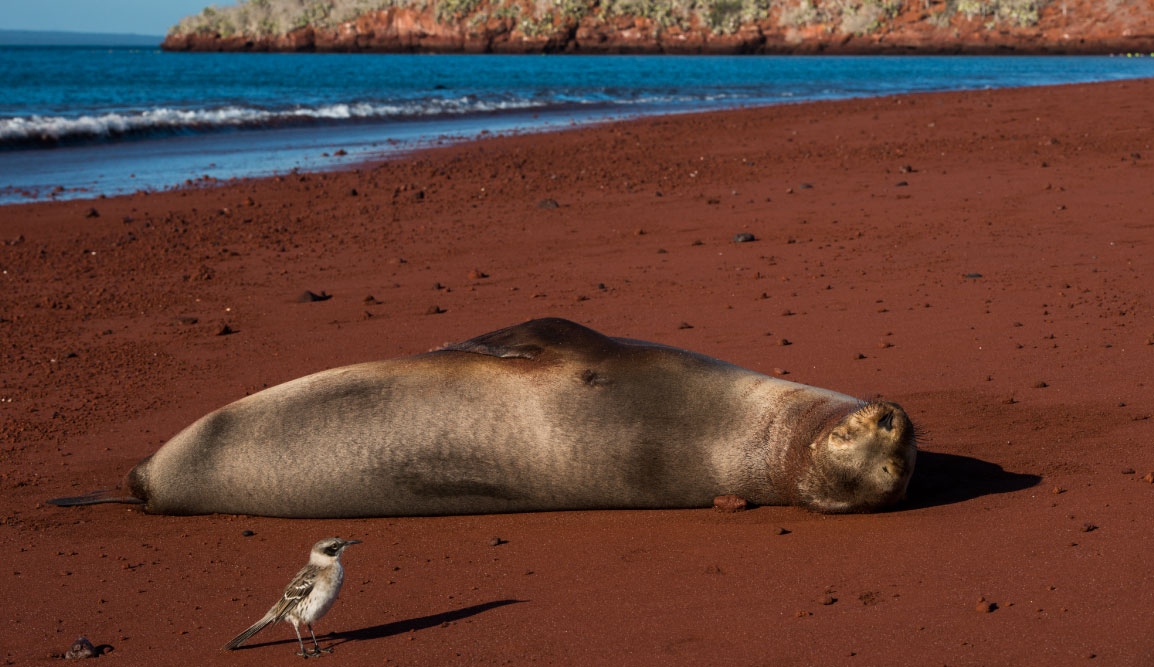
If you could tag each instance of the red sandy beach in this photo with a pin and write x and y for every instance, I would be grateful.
(983, 258)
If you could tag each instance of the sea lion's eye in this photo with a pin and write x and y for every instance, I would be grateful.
(887, 422)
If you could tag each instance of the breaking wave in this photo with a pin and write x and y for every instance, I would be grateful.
(49, 130)
(45, 130)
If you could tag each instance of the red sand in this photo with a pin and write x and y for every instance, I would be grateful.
(1032, 382)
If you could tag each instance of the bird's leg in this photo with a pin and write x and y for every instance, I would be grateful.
(302, 653)
(315, 645)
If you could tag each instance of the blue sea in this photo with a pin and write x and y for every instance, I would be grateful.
(85, 121)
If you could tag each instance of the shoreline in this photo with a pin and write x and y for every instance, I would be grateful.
(88, 171)
(980, 257)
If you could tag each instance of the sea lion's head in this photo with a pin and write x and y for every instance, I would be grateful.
(862, 462)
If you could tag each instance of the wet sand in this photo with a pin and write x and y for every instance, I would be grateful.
(982, 258)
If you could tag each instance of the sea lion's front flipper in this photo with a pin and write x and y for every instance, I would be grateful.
(535, 338)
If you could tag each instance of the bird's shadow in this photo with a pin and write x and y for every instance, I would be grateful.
(945, 479)
(396, 627)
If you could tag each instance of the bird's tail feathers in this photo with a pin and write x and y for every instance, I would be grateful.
(263, 623)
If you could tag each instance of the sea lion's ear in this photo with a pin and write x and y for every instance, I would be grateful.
(839, 438)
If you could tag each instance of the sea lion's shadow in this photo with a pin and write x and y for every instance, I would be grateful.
(395, 628)
(944, 479)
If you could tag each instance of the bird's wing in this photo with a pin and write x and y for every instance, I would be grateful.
(297, 590)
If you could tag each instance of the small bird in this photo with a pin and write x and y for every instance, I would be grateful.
(308, 596)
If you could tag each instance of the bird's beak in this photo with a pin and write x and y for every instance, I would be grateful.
(348, 542)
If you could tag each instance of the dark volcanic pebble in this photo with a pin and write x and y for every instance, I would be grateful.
(496, 541)
(225, 330)
(1127, 471)
(308, 297)
(828, 600)
(1089, 527)
(434, 310)
(187, 320)
(92, 213)
(548, 203)
(80, 649)
(985, 607)
(477, 274)
(370, 300)
(780, 531)
(729, 503)
(685, 325)
(744, 237)
(247, 533)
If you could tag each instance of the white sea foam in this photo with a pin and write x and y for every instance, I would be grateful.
(51, 129)
(46, 129)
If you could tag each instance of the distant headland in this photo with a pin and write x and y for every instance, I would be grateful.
(672, 26)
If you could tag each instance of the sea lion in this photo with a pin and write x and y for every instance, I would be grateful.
(545, 415)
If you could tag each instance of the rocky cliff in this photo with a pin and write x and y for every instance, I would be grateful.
(673, 26)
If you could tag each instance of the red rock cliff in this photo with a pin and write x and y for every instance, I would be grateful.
(897, 26)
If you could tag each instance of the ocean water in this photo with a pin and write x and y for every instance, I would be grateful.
(85, 121)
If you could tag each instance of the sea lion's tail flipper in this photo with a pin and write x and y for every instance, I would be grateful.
(96, 498)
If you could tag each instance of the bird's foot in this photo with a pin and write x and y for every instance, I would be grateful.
(323, 650)
(307, 654)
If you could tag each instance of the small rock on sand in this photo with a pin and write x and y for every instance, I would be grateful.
(744, 237)
(729, 503)
(308, 296)
(80, 649)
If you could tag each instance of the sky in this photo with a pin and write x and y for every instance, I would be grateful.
(144, 17)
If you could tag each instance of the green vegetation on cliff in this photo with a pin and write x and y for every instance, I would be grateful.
(533, 17)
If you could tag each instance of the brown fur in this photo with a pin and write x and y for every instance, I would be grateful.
(546, 415)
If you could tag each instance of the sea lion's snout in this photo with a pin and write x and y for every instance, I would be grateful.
(866, 461)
